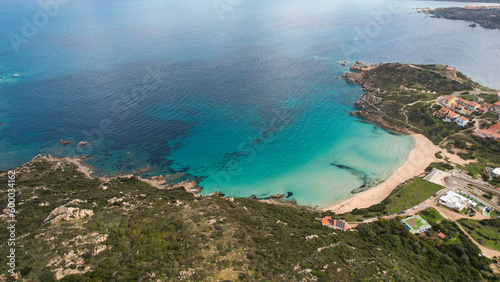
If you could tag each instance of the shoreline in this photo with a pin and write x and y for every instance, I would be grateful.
(420, 157)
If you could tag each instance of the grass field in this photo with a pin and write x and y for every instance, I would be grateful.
(472, 98)
(432, 216)
(405, 196)
(411, 194)
(486, 235)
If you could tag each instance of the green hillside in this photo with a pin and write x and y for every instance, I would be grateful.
(123, 229)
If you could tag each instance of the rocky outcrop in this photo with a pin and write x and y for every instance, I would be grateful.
(67, 213)
(359, 66)
(377, 118)
(369, 102)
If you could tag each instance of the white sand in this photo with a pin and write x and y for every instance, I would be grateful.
(419, 159)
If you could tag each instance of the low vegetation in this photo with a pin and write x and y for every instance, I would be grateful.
(413, 193)
(432, 216)
(403, 197)
(486, 232)
(74, 228)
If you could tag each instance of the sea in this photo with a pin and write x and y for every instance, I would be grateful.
(243, 96)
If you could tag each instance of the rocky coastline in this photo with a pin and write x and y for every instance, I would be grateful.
(369, 100)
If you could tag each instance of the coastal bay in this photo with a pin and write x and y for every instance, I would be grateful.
(284, 140)
(215, 89)
(422, 155)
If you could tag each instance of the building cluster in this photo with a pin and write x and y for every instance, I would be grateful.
(334, 223)
(492, 132)
(457, 109)
(465, 107)
(456, 201)
(448, 115)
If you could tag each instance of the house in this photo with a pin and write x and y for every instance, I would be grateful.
(441, 235)
(446, 114)
(496, 172)
(464, 111)
(468, 105)
(496, 107)
(416, 224)
(488, 106)
(452, 115)
(481, 110)
(462, 121)
(456, 201)
(334, 223)
(495, 128)
(451, 101)
(442, 113)
(486, 133)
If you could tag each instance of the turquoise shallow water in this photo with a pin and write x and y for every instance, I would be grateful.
(247, 103)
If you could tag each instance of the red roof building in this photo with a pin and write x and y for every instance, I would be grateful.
(442, 113)
(495, 128)
(334, 223)
(453, 115)
(482, 110)
(486, 133)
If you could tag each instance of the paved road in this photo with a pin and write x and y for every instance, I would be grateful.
(453, 182)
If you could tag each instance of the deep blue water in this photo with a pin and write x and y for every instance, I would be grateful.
(248, 100)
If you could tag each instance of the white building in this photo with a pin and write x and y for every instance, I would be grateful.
(462, 121)
(456, 201)
(496, 172)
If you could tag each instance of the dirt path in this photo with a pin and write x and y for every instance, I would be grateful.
(489, 253)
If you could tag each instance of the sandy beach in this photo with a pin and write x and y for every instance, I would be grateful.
(418, 160)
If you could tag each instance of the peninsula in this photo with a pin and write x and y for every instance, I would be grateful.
(485, 16)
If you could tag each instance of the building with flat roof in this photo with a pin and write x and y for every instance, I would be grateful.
(416, 224)
(334, 223)
(462, 121)
(496, 172)
(456, 201)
